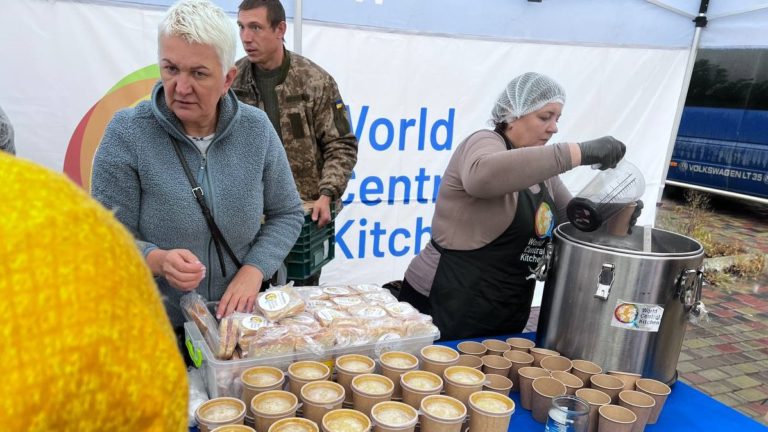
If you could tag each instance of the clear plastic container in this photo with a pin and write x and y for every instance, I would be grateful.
(568, 414)
(610, 192)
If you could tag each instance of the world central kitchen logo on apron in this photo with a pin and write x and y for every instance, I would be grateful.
(544, 220)
(544, 223)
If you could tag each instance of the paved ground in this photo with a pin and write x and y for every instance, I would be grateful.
(727, 357)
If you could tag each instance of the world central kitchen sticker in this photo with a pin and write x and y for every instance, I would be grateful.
(637, 316)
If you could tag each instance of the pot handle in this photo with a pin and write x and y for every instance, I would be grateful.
(605, 281)
(689, 289)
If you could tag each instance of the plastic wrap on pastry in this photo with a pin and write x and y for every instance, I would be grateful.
(347, 302)
(368, 288)
(193, 307)
(380, 298)
(400, 310)
(228, 337)
(311, 293)
(269, 342)
(350, 336)
(248, 324)
(317, 342)
(420, 325)
(327, 315)
(336, 291)
(386, 325)
(280, 302)
(315, 305)
(368, 312)
(304, 319)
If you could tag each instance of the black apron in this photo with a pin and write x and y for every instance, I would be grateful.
(488, 291)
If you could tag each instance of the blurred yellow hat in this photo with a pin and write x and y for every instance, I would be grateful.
(86, 344)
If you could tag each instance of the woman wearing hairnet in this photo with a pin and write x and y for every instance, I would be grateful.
(499, 200)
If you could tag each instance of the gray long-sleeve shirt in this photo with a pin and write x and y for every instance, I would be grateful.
(477, 199)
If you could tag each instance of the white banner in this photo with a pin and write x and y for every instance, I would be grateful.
(412, 99)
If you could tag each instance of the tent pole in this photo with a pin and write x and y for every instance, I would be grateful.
(298, 19)
(700, 22)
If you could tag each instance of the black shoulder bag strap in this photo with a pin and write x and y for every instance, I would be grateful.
(197, 191)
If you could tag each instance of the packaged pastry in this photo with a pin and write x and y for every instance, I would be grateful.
(317, 342)
(313, 305)
(228, 336)
(377, 328)
(346, 302)
(280, 302)
(380, 298)
(336, 291)
(311, 293)
(367, 288)
(347, 336)
(304, 320)
(269, 342)
(400, 310)
(248, 324)
(368, 312)
(420, 325)
(193, 307)
(327, 315)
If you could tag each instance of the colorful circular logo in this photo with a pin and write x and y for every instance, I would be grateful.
(544, 220)
(626, 313)
(132, 89)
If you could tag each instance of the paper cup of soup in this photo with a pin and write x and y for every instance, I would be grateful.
(234, 428)
(442, 414)
(419, 384)
(319, 397)
(258, 380)
(271, 406)
(462, 381)
(346, 420)
(394, 417)
(294, 424)
(490, 412)
(393, 365)
(303, 372)
(437, 358)
(219, 412)
(349, 366)
(370, 389)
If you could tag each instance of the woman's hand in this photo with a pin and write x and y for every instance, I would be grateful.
(179, 267)
(606, 151)
(241, 292)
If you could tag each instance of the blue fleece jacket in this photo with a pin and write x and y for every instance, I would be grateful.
(244, 175)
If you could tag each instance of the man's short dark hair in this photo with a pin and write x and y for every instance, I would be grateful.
(275, 11)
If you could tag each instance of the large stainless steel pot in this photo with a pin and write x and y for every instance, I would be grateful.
(621, 302)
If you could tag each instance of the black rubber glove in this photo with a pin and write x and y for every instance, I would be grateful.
(635, 215)
(606, 151)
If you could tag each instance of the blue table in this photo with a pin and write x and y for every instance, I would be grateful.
(686, 409)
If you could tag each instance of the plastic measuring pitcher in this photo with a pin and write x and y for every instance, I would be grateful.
(605, 195)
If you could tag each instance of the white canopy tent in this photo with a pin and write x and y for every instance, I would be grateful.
(417, 77)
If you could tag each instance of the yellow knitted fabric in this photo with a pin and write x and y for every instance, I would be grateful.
(85, 344)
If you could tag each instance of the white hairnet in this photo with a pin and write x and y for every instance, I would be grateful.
(525, 94)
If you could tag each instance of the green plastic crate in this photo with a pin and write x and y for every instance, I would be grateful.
(314, 248)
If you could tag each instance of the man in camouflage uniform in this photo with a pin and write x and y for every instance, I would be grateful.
(304, 105)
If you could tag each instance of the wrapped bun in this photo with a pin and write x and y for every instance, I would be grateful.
(281, 302)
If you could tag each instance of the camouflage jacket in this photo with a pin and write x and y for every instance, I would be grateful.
(315, 127)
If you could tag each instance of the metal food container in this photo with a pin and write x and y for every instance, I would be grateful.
(621, 302)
